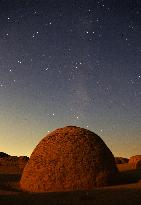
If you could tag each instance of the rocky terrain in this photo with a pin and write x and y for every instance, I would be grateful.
(121, 160)
(12, 163)
(76, 156)
(127, 192)
(134, 160)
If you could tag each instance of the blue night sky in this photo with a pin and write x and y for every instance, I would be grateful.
(72, 62)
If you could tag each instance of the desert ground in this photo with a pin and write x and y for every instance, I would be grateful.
(127, 192)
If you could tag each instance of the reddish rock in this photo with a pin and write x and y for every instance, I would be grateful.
(134, 159)
(70, 158)
(13, 161)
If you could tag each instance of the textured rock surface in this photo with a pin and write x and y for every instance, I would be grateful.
(70, 158)
(134, 159)
(121, 160)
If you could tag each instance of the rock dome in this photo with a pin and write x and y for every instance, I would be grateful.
(69, 158)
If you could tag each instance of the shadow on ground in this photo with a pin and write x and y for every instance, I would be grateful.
(9, 182)
(96, 197)
(127, 192)
(130, 176)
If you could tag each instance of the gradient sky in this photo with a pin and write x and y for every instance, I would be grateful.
(72, 62)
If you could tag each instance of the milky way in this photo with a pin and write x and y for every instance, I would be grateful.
(70, 63)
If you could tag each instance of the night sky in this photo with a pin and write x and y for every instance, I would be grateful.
(74, 62)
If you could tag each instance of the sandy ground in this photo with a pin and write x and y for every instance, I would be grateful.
(127, 192)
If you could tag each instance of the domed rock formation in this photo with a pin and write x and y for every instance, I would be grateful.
(134, 159)
(69, 158)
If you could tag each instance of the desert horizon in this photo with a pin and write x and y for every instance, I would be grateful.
(75, 147)
(128, 189)
(70, 102)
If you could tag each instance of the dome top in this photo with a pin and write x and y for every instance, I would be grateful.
(69, 158)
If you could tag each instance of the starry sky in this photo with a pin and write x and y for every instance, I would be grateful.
(72, 62)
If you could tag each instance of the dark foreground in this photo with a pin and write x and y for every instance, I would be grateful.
(128, 193)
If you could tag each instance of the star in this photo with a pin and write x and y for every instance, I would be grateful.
(80, 68)
(46, 69)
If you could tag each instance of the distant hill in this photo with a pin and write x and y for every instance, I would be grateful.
(3, 154)
(9, 162)
(121, 160)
